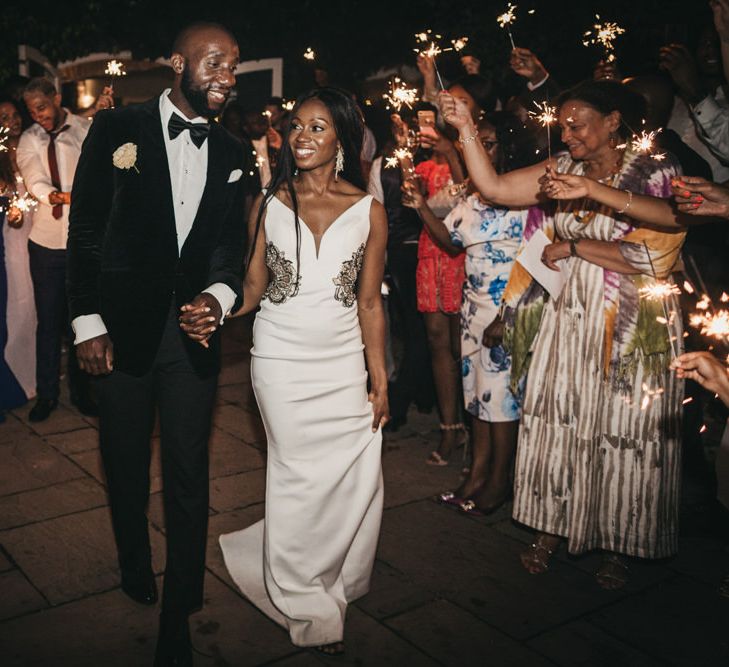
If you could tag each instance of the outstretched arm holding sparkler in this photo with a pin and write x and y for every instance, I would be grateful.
(515, 189)
(430, 83)
(698, 197)
(707, 370)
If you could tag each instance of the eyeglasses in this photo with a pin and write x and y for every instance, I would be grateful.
(488, 145)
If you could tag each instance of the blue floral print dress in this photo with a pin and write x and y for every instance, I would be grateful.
(490, 236)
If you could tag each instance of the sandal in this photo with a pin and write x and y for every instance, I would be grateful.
(470, 507)
(449, 498)
(536, 557)
(333, 649)
(612, 575)
(436, 458)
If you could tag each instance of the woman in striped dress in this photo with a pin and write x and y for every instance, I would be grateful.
(598, 457)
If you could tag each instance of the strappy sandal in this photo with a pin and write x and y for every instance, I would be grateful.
(449, 498)
(536, 557)
(612, 575)
(437, 459)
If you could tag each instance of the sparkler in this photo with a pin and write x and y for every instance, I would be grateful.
(4, 135)
(546, 117)
(506, 20)
(659, 291)
(309, 53)
(649, 395)
(603, 34)
(667, 318)
(24, 203)
(115, 68)
(288, 106)
(399, 95)
(460, 43)
(432, 51)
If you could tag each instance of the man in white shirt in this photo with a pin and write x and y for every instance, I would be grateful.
(47, 155)
(157, 223)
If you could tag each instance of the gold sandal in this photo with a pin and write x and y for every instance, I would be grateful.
(536, 557)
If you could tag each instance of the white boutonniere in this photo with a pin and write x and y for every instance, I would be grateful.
(125, 157)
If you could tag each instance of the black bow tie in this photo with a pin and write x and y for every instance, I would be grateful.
(198, 131)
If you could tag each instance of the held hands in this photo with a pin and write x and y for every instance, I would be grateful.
(526, 64)
(454, 111)
(200, 318)
(380, 408)
(55, 198)
(493, 334)
(96, 355)
(697, 196)
(564, 186)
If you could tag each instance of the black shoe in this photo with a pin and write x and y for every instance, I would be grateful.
(141, 588)
(42, 409)
(174, 648)
(85, 405)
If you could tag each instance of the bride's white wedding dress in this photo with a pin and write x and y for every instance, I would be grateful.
(313, 553)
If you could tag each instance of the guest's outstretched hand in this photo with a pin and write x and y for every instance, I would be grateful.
(697, 196)
(454, 111)
(706, 369)
(677, 60)
(200, 318)
(526, 64)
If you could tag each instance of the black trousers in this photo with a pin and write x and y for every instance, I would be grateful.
(127, 406)
(414, 379)
(48, 271)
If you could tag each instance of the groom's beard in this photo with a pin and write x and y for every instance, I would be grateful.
(196, 96)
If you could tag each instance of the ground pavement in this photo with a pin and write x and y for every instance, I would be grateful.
(447, 589)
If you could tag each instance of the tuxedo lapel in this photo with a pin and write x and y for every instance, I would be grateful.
(215, 181)
(157, 168)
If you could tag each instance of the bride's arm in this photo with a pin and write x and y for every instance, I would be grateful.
(257, 277)
(371, 315)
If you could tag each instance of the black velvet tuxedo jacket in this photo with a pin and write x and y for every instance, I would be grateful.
(123, 260)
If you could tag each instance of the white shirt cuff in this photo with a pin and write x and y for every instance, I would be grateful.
(534, 86)
(707, 109)
(88, 326)
(224, 296)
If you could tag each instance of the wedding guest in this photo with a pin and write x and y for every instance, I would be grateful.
(255, 125)
(700, 197)
(47, 155)
(276, 113)
(18, 322)
(489, 236)
(592, 466)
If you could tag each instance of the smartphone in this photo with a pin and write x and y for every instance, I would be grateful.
(426, 123)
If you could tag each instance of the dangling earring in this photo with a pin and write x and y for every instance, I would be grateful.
(296, 172)
(339, 163)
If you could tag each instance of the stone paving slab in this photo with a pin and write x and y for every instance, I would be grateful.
(13, 430)
(18, 596)
(240, 394)
(238, 491)
(236, 372)
(302, 659)
(228, 455)
(71, 556)
(73, 442)
(455, 637)
(240, 423)
(5, 564)
(65, 498)
(29, 463)
(680, 621)
(62, 419)
(582, 644)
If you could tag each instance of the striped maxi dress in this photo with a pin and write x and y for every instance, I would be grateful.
(593, 464)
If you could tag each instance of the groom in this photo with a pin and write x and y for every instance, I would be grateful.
(157, 223)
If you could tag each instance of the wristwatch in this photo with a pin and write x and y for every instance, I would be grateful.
(573, 247)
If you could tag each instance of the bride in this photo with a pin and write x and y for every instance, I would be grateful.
(316, 263)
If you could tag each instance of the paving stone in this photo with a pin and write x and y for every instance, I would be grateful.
(74, 441)
(454, 637)
(5, 564)
(703, 558)
(228, 455)
(106, 629)
(391, 592)
(408, 477)
(61, 420)
(234, 372)
(239, 423)
(31, 506)
(71, 556)
(29, 463)
(581, 644)
(238, 491)
(680, 621)
(18, 596)
(240, 394)
(304, 658)
(13, 429)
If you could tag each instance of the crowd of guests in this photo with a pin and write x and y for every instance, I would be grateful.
(548, 391)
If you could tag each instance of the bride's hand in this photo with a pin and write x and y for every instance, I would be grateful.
(380, 408)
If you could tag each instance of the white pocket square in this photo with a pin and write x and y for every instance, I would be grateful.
(235, 175)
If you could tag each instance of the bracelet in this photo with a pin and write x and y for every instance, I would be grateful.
(468, 140)
(573, 247)
(627, 206)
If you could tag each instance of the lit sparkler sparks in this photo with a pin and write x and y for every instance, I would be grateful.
(391, 162)
(546, 117)
(288, 106)
(4, 134)
(668, 318)
(716, 325)
(506, 20)
(399, 95)
(649, 395)
(403, 153)
(309, 53)
(604, 35)
(115, 68)
(24, 203)
(645, 142)
(724, 297)
(460, 43)
(432, 51)
(659, 291)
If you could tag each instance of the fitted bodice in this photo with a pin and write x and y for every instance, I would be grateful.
(312, 312)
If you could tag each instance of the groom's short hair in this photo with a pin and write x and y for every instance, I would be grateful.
(40, 85)
(183, 37)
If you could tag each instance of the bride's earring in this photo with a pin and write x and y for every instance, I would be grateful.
(339, 164)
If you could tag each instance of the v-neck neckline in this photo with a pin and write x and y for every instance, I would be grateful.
(317, 248)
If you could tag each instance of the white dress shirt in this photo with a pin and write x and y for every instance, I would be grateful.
(188, 167)
(32, 155)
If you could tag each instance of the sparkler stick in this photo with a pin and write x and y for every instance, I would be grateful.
(667, 317)
(506, 20)
(546, 117)
(432, 51)
(114, 69)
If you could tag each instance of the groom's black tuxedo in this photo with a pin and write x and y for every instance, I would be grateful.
(124, 265)
(122, 248)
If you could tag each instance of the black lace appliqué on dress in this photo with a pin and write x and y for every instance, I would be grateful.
(346, 281)
(283, 284)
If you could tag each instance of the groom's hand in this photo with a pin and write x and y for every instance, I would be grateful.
(96, 355)
(201, 317)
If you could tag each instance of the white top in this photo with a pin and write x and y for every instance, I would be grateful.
(374, 185)
(32, 155)
(712, 118)
(188, 166)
